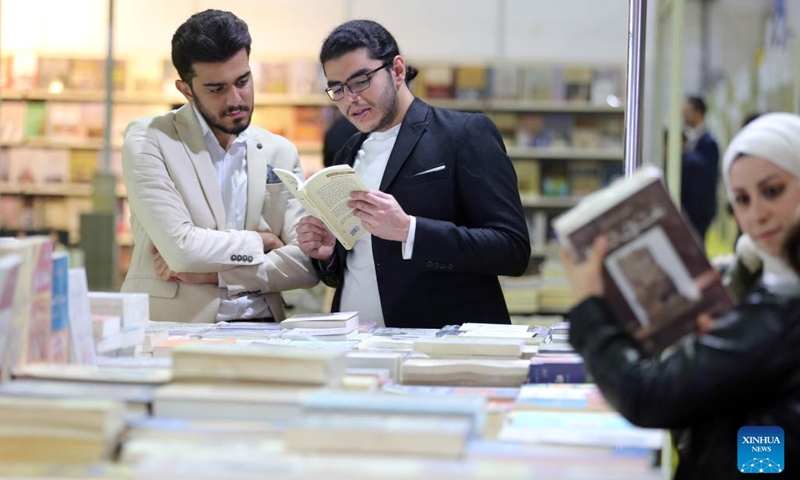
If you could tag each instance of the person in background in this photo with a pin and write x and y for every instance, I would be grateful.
(743, 370)
(443, 211)
(340, 131)
(700, 167)
(214, 229)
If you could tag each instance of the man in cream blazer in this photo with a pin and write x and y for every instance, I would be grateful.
(178, 215)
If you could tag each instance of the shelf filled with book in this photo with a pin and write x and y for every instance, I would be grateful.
(539, 153)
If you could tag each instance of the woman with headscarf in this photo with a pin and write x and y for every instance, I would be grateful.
(774, 138)
(745, 371)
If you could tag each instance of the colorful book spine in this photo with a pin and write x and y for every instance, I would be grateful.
(59, 322)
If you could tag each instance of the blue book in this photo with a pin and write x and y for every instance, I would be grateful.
(557, 369)
(59, 321)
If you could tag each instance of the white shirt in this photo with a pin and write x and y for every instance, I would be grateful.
(360, 292)
(694, 134)
(231, 167)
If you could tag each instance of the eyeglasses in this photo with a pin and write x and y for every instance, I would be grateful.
(355, 84)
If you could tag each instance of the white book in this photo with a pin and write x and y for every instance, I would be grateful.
(604, 429)
(93, 373)
(106, 325)
(391, 361)
(133, 308)
(82, 350)
(493, 327)
(380, 434)
(344, 320)
(459, 347)
(267, 363)
(207, 401)
(9, 274)
(127, 337)
(325, 195)
(465, 372)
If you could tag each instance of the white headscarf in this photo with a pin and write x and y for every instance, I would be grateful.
(774, 137)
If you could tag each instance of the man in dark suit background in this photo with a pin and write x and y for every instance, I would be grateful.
(700, 169)
(336, 137)
(443, 211)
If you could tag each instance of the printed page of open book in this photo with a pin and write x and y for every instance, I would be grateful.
(325, 195)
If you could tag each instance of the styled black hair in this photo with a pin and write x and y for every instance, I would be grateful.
(697, 103)
(210, 36)
(357, 34)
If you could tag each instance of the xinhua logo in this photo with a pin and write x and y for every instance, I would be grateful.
(760, 450)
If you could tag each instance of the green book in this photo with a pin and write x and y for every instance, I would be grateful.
(35, 115)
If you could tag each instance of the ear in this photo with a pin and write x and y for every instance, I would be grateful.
(399, 70)
(185, 90)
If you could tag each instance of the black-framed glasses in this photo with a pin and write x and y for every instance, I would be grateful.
(356, 84)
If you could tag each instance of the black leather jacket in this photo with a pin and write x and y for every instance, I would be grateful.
(745, 372)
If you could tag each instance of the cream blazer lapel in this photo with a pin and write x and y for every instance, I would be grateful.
(191, 134)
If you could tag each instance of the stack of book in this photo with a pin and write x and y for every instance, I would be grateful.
(472, 355)
(323, 326)
(233, 382)
(386, 424)
(119, 321)
(55, 431)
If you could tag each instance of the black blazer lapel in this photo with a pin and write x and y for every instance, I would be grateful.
(414, 124)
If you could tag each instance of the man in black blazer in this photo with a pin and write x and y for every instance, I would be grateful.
(700, 167)
(443, 210)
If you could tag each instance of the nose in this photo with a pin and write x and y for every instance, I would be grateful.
(350, 94)
(759, 210)
(235, 96)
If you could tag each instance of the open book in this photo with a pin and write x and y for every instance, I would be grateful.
(657, 277)
(325, 195)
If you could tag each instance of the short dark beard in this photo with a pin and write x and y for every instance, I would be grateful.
(212, 122)
(391, 104)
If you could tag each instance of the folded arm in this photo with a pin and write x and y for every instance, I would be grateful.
(162, 212)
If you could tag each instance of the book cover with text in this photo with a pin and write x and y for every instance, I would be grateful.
(657, 276)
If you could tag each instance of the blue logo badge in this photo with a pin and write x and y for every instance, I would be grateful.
(760, 450)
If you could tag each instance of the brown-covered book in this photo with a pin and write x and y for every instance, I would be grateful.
(657, 276)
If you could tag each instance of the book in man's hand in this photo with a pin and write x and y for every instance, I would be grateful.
(657, 276)
(325, 195)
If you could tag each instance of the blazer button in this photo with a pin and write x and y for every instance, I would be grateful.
(249, 258)
(429, 264)
(233, 258)
(449, 266)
